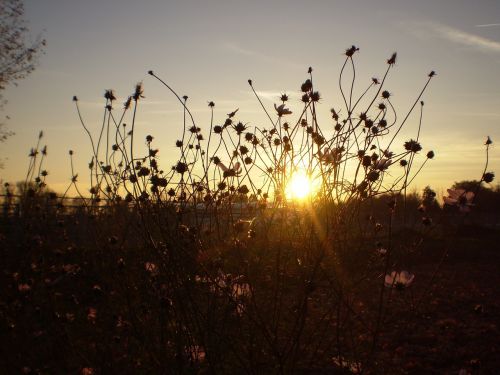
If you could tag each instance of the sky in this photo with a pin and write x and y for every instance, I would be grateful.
(208, 50)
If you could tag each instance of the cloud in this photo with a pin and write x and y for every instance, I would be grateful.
(488, 25)
(259, 55)
(466, 39)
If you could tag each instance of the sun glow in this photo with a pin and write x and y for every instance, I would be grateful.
(299, 187)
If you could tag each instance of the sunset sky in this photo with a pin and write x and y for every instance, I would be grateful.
(209, 49)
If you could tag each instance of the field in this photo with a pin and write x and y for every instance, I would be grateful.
(74, 296)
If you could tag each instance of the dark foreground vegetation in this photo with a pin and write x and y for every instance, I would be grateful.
(80, 291)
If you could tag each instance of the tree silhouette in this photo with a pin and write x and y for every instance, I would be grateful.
(18, 55)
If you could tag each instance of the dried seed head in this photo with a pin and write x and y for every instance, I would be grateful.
(181, 168)
(110, 95)
(392, 59)
(373, 176)
(350, 51)
(488, 177)
(335, 116)
(412, 146)
(240, 128)
(138, 91)
(315, 96)
(231, 115)
(306, 86)
(127, 104)
(243, 189)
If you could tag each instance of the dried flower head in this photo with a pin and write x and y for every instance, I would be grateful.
(382, 164)
(240, 128)
(488, 177)
(138, 92)
(282, 110)
(306, 86)
(392, 59)
(231, 115)
(412, 146)
(351, 50)
(110, 95)
(315, 96)
(127, 103)
(181, 167)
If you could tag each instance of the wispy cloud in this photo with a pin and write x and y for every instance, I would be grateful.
(466, 39)
(272, 96)
(259, 55)
(478, 114)
(488, 25)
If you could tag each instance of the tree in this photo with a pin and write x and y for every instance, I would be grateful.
(18, 55)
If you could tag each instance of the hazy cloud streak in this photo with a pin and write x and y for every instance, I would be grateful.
(259, 55)
(488, 25)
(467, 39)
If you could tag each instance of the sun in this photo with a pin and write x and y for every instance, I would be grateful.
(299, 186)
